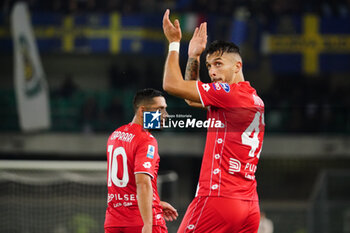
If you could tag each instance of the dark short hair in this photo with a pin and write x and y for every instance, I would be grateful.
(223, 47)
(145, 96)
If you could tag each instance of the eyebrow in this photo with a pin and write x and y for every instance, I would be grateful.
(215, 59)
(218, 58)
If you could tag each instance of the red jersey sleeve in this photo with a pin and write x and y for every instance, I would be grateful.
(146, 157)
(216, 94)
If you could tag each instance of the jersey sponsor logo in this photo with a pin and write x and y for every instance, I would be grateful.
(250, 177)
(150, 151)
(225, 86)
(151, 120)
(123, 197)
(147, 165)
(127, 204)
(206, 87)
(235, 166)
(216, 86)
(110, 198)
(126, 199)
(251, 167)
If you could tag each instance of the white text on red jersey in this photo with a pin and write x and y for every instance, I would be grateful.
(122, 136)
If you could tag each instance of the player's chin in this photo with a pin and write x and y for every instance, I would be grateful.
(217, 81)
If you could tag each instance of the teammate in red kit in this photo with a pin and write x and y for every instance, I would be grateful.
(133, 161)
(226, 199)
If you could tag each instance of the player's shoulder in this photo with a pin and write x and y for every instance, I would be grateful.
(147, 137)
(244, 86)
(115, 132)
(141, 134)
(247, 94)
(252, 92)
(129, 133)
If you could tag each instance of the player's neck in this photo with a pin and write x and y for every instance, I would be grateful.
(239, 79)
(137, 120)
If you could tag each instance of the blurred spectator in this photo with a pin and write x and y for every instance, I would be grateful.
(115, 112)
(148, 6)
(68, 88)
(130, 7)
(120, 77)
(114, 73)
(151, 77)
(89, 114)
(269, 9)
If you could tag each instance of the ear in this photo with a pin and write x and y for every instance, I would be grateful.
(140, 111)
(238, 66)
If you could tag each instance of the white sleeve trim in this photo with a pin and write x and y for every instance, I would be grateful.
(199, 93)
(145, 173)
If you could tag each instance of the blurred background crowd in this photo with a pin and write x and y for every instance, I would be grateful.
(261, 8)
(296, 100)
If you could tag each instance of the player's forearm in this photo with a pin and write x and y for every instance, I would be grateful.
(173, 81)
(144, 200)
(172, 73)
(192, 73)
(192, 68)
(194, 104)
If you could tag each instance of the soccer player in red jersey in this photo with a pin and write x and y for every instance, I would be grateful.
(226, 199)
(133, 162)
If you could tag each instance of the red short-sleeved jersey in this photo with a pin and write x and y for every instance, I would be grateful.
(130, 150)
(231, 153)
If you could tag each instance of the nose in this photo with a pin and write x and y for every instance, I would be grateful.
(165, 113)
(212, 72)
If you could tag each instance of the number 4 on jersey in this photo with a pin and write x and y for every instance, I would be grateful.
(253, 141)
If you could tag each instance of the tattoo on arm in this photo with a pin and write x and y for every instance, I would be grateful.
(192, 69)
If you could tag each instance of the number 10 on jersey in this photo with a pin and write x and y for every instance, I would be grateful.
(113, 167)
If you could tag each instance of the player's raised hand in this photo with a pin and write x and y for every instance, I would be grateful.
(170, 213)
(171, 31)
(198, 41)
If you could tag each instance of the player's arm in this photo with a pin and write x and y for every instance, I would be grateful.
(173, 81)
(195, 49)
(144, 199)
(192, 73)
(194, 104)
